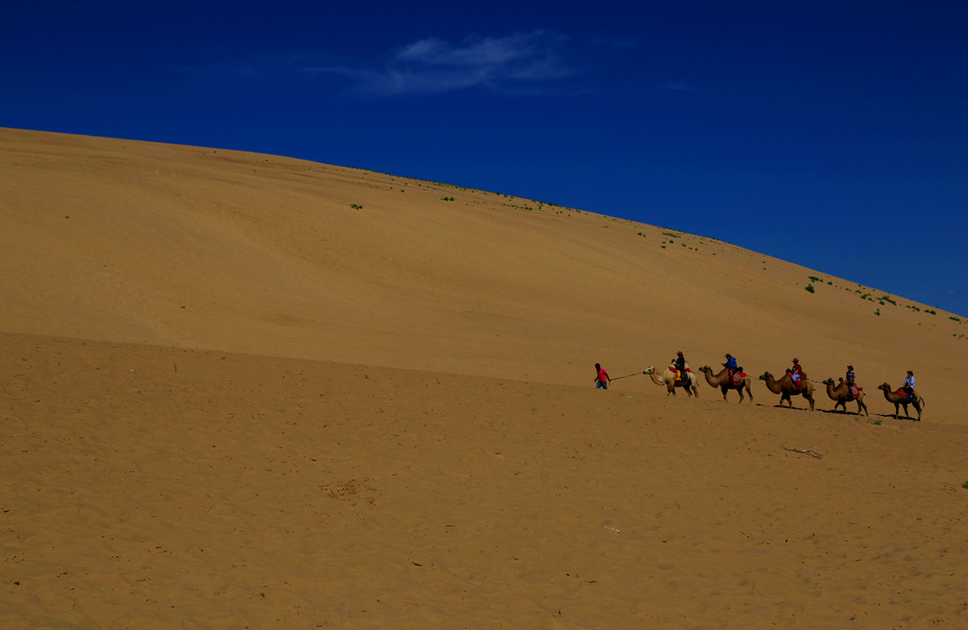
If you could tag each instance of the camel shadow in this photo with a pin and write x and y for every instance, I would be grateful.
(899, 416)
(840, 412)
(789, 407)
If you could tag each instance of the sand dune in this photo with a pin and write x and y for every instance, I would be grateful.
(249, 391)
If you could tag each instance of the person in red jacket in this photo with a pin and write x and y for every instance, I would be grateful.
(601, 379)
(797, 373)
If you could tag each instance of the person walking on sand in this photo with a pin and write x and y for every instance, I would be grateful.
(601, 379)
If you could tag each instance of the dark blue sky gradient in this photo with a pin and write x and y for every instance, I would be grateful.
(830, 134)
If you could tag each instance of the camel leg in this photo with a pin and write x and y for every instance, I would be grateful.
(861, 405)
(724, 390)
(749, 393)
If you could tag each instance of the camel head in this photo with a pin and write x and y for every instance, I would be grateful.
(885, 387)
(827, 381)
(766, 376)
(706, 368)
(648, 370)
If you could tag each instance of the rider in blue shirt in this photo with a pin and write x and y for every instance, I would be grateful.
(909, 384)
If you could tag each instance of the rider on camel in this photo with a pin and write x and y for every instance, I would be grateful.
(730, 365)
(797, 373)
(909, 385)
(680, 365)
(849, 378)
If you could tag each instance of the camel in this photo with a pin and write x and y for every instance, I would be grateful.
(840, 396)
(722, 381)
(785, 388)
(669, 380)
(901, 399)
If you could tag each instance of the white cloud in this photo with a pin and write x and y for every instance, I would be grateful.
(517, 63)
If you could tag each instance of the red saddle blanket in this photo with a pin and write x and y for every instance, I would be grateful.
(738, 378)
(854, 392)
(673, 369)
(906, 395)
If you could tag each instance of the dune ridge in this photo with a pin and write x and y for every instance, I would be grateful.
(248, 253)
(250, 391)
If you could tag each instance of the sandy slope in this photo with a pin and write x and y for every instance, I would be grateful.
(241, 390)
(223, 250)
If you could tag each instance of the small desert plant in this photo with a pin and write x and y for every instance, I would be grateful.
(356, 206)
(810, 288)
(965, 485)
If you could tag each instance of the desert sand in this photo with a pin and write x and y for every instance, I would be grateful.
(247, 391)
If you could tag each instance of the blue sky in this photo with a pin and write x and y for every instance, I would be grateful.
(831, 134)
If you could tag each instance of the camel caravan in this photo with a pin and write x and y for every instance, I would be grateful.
(793, 383)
